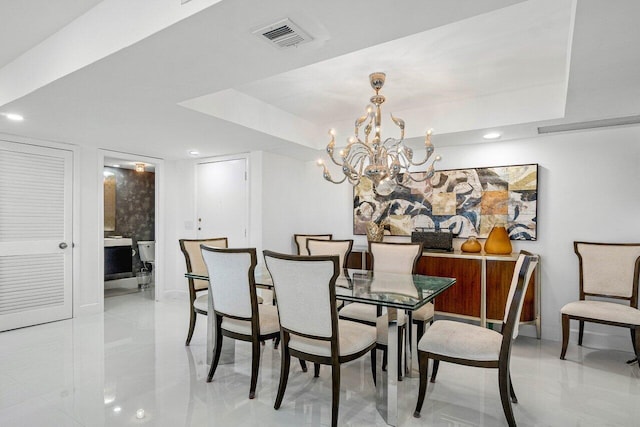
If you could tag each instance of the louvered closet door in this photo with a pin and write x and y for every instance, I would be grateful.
(35, 235)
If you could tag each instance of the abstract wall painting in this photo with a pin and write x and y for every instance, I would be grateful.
(468, 202)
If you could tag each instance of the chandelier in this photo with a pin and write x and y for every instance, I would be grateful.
(383, 162)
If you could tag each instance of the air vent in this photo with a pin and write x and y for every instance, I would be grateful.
(617, 121)
(283, 34)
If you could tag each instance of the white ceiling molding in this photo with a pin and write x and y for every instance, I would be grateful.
(105, 29)
(593, 124)
(244, 110)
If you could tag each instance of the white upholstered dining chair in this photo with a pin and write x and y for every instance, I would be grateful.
(198, 304)
(342, 248)
(301, 241)
(607, 271)
(388, 258)
(235, 304)
(472, 345)
(309, 324)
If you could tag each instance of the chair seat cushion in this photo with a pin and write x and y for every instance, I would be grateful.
(602, 310)
(202, 303)
(269, 322)
(353, 337)
(363, 313)
(461, 340)
(424, 313)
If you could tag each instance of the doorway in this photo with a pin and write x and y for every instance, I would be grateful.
(223, 201)
(130, 226)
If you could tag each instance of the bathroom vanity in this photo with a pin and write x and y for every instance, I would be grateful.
(118, 257)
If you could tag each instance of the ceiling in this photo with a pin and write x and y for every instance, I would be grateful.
(195, 77)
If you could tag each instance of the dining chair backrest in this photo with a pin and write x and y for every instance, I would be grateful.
(609, 269)
(231, 279)
(395, 257)
(342, 248)
(522, 272)
(193, 257)
(301, 241)
(305, 289)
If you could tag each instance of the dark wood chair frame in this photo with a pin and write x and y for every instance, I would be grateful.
(309, 236)
(507, 394)
(255, 338)
(633, 302)
(193, 293)
(335, 360)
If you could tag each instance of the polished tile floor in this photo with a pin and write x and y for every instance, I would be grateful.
(102, 370)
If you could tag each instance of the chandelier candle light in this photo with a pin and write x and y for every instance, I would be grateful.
(381, 161)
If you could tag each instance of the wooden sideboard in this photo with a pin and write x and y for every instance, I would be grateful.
(482, 285)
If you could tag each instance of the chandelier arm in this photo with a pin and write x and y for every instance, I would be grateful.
(331, 180)
(428, 147)
(400, 123)
(333, 160)
(358, 148)
(368, 127)
(392, 144)
(428, 175)
(327, 175)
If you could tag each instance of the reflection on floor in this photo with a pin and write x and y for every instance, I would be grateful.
(115, 292)
(101, 370)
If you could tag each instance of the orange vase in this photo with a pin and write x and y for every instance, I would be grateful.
(471, 245)
(498, 242)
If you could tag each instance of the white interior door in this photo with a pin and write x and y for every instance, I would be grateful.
(222, 201)
(35, 235)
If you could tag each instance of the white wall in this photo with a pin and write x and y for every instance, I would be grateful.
(88, 287)
(284, 197)
(587, 190)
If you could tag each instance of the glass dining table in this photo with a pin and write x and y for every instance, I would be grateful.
(396, 294)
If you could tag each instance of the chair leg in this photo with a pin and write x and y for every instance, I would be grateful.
(192, 326)
(255, 365)
(419, 330)
(565, 335)
(504, 383)
(580, 332)
(285, 362)
(423, 364)
(316, 370)
(276, 342)
(373, 364)
(635, 339)
(335, 393)
(400, 353)
(217, 350)
(303, 365)
(512, 392)
(434, 372)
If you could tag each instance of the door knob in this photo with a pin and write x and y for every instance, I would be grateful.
(62, 245)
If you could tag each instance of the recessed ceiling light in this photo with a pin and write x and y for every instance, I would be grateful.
(116, 166)
(13, 116)
(194, 153)
(117, 409)
(492, 135)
